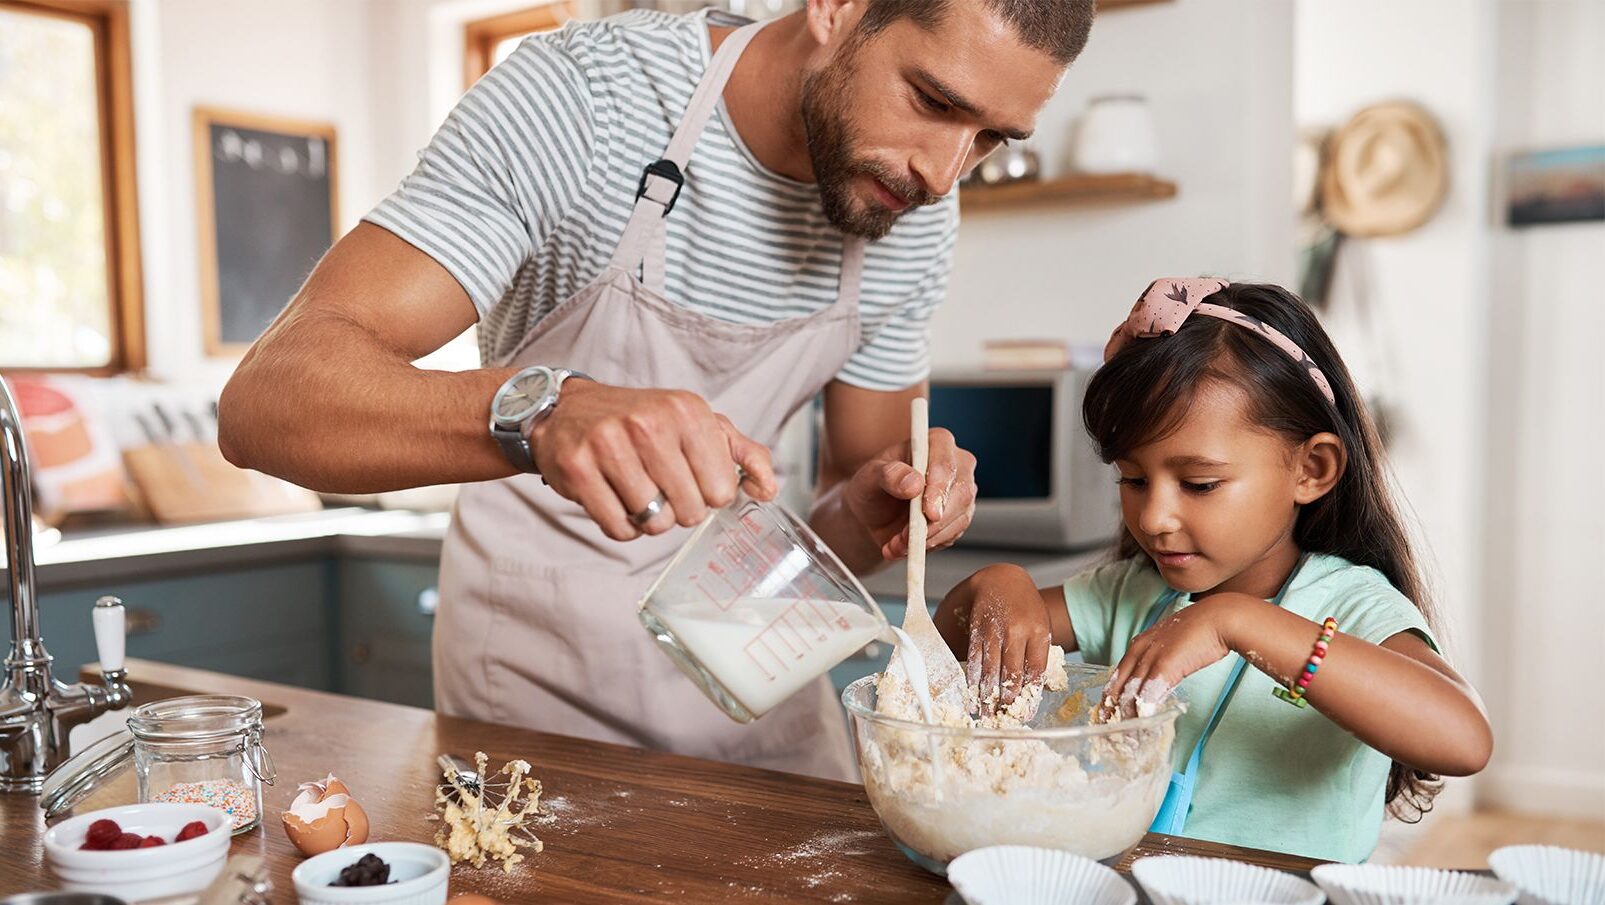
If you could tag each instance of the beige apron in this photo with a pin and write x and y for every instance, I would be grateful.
(537, 622)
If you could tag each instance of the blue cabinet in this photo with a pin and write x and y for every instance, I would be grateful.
(357, 625)
(386, 618)
(271, 622)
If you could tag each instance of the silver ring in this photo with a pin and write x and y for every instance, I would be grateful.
(649, 512)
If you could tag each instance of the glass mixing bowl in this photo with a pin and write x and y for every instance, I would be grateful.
(1060, 783)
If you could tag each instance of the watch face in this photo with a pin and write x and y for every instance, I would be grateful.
(518, 400)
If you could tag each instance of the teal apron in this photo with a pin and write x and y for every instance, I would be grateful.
(1172, 816)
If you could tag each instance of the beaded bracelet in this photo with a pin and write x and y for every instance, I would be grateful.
(1294, 694)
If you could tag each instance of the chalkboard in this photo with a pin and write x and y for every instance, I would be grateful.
(265, 194)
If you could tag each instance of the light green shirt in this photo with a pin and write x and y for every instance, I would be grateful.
(1273, 776)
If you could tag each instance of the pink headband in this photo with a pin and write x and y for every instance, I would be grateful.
(1166, 303)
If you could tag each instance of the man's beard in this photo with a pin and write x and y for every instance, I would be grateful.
(830, 146)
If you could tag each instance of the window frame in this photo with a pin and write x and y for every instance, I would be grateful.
(114, 83)
(480, 36)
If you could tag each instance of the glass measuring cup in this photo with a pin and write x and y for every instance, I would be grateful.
(754, 606)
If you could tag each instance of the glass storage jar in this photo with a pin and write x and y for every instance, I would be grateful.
(201, 749)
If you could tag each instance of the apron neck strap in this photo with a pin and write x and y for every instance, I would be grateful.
(661, 181)
(849, 283)
(1232, 680)
(705, 99)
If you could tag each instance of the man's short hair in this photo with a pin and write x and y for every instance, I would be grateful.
(1057, 27)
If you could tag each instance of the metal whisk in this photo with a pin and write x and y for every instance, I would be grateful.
(469, 786)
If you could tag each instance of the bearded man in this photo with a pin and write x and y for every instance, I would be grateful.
(672, 232)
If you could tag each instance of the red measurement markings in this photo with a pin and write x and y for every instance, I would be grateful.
(721, 601)
(790, 637)
(746, 558)
(813, 596)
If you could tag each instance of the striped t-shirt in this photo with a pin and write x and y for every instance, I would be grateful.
(524, 191)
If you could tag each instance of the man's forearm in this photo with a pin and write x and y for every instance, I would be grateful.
(319, 403)
(844, 534)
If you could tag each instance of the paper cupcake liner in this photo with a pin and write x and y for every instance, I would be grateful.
(1375, 884)
(1023, 875)
(1187, 880)
(1550, 875)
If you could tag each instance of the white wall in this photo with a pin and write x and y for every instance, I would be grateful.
(1495, 374)
(305, 59)
(1429, 287)
(1546, 519)
(1217, 76)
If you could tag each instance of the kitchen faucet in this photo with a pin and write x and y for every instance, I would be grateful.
(36, 710)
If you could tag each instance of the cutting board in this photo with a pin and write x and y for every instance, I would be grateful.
(192, 482)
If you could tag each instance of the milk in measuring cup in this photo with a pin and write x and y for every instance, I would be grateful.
(763, 650)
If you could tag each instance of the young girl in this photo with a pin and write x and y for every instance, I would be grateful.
(1256, 508)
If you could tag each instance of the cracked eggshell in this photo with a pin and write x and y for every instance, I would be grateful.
(324, 817)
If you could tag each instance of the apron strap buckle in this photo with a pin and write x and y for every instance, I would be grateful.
(663, 169)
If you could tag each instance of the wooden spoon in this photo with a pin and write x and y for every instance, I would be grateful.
(942, 670)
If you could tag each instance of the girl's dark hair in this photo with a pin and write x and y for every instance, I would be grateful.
(1144, 392)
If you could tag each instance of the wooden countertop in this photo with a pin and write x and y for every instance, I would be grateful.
(626, 825)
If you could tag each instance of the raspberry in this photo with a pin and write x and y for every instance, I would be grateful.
(127, 840)
(102, 833)
(152, 842)
(191, 830)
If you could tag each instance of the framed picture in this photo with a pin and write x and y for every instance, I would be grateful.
(1560, 186)
(266, 209)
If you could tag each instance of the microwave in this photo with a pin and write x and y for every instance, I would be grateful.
(1039, 480)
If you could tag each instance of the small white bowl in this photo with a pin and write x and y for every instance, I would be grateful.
(1389, 884)
(1551, 875)
(1025, 875)
(1186, 880)
(418, 876)
(174, 869)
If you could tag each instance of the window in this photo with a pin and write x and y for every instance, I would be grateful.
(69, 245)
(489, 41)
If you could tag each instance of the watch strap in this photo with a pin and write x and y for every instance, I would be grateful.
(516, 448)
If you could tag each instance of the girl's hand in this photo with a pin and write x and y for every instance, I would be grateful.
(1176, 647)
(996, 622)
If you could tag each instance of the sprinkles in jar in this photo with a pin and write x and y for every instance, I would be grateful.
(203, 749)
(227, 795)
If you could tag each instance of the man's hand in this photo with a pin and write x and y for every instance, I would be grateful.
(613, 449)
(877, 495)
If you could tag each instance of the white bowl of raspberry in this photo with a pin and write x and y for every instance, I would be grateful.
(141, 851)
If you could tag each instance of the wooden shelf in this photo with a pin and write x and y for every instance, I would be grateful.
(1114, 187)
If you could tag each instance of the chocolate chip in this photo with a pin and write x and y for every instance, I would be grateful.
(370, 870)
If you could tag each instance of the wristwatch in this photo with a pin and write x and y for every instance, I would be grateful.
(520, 404)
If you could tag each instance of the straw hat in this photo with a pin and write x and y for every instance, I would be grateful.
(1386, 171)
